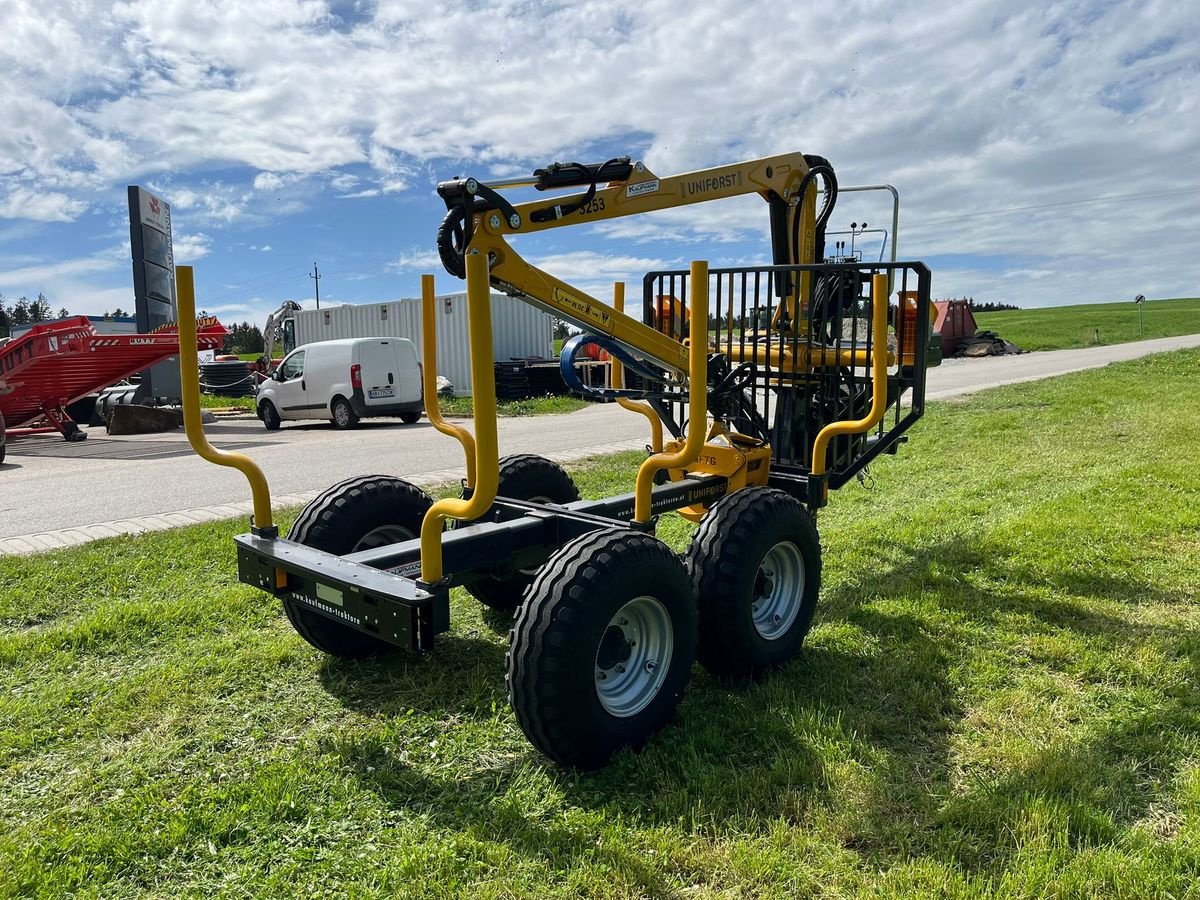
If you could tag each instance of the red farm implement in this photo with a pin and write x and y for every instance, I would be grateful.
(56, 363)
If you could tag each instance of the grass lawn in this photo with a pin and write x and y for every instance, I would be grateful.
(216, 401)
(1092, 324)
(1001, 695)
(533, 406)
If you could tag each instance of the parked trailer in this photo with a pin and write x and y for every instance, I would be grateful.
(56, 363)
(518, 330)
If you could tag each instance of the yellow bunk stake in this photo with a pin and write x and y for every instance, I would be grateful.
(429, 377)
(879, 364)
(483, 389)
(189, 371)
(618, 380)
(697, 399)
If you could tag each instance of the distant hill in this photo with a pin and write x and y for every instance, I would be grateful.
(1089, 325)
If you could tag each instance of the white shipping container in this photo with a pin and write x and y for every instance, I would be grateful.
(519, 330)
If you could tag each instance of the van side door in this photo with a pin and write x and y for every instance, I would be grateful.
(291, 391)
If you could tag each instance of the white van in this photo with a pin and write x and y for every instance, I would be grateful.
(344, 381)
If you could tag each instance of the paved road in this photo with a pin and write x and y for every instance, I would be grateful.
(147, 482)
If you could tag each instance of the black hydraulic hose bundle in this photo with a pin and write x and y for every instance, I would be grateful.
(817, 165)
(453, 234)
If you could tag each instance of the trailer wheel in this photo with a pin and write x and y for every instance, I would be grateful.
(523, 477)
(602, 647)
(755, 563)
(410, 418)
(270, 415)
(342, 414)
(356, 514)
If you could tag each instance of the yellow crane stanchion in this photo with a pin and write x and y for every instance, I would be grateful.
(879, 364)
(697, 399)
(483, 390)
(189, 371)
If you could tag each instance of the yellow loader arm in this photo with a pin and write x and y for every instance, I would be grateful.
(480, 219)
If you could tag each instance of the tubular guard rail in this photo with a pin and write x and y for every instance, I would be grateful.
(806, 364)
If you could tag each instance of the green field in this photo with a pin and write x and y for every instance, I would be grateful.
(1000, 696)
(1092, 324)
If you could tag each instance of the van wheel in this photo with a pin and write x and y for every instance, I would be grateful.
(270, 415)
(410, 418)
(342, 415)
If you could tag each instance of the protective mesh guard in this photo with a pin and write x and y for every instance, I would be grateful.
(792, 353)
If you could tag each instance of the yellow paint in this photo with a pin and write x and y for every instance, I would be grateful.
(429, 376)
(772, 176)
(742, 460)
(483, 389)
(697, 400)
(879, 366)
(189, 377)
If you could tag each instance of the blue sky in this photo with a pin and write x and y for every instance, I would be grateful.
(1044, 155)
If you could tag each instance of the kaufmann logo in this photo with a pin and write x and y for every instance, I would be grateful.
(646, 187)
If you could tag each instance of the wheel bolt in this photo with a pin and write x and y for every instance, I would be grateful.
(603, 675)
(620, 669)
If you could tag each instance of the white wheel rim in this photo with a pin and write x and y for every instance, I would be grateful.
(778, 591)
(382, 536)
(633, 657)
(342, 413)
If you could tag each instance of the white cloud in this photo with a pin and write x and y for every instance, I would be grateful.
(596, 273)
(40, 206)
(268, 181)
(979, 106)
(191, 247)
(416, 259)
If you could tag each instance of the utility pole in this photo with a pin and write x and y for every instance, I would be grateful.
(316, 277)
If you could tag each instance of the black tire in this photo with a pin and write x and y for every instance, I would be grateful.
(410, 418)
(353, 515)
(270, 415)
(523, 477)
(342, 414)
(567, 633)
(743, 630)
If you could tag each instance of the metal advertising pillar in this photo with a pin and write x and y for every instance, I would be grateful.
(153, 283)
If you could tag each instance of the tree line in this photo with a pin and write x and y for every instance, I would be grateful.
(244, 338)
(989, 306)
(24, 311)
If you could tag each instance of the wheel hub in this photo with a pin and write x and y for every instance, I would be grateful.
(633, 656)
(778, 591)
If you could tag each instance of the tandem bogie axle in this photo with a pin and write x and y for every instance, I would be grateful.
(763, 388)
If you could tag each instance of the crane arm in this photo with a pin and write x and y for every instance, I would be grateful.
(481, 219)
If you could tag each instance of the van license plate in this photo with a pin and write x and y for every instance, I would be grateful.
(378, 393)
